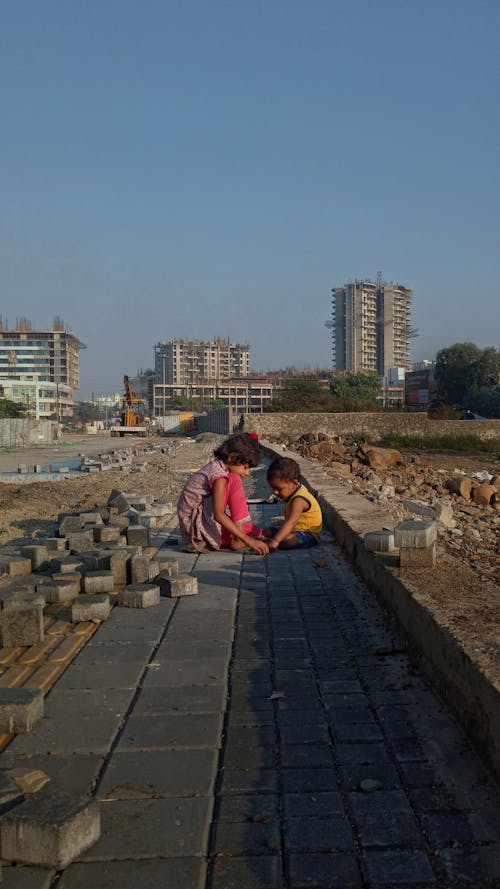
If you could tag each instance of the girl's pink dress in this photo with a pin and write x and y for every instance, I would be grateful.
(196, 507)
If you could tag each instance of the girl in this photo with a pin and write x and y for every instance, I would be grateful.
(203, 520)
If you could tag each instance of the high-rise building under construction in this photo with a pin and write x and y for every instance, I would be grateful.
(370, 326)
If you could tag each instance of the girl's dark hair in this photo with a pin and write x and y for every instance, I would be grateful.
(284, 468)
(241, 448)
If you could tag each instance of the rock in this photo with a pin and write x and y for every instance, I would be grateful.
(483, 495)
(381, 458)
(370, 785)
(460, 485)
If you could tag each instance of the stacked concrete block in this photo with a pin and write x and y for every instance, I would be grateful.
(139, 595)
(161, 509)
(98, 582)
(67, 564)
(20, 710)
(69, 524)
(106, 534)
(14, 565)
(379, 541)
(79, 541)
(115, 561)
(174, 587)
(37, 553)
(118, 521)
(139, 569)
(21, 624)
(87, 607)
(148, 520)
(168, 565)
(137, 535)
(417, 544)
(25, 597)
(50, 831)
(91, 518)
(55, 544)
(72, 581)
(56, 591)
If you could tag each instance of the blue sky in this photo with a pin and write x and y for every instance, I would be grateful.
(200, 169)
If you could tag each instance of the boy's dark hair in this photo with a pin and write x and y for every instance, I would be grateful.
(241, 448)
(285, 468)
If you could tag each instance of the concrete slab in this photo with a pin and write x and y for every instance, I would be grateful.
(114, 676)
(74, 774)
(26, 877)
(178, 773)
(87, 734)
(148, 873)
(171, 674)
(152, 828)
(185, 731)
(77, 702)
(155, 701)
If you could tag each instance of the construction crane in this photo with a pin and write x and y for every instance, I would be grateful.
(130, 419)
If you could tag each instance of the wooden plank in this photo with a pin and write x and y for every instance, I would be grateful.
(59, 628)
(35, 653)
(67, 649)
(9, 655)
(45, 676)
(16, 675)
(85, 628)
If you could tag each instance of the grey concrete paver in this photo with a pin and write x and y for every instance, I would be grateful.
(147, 873)
(164, 773)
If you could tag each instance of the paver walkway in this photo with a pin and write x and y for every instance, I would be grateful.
(228, 734)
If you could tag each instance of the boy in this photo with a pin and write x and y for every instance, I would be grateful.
(303, 520)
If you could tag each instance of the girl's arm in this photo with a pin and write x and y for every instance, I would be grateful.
(220, 515)
(299, 505)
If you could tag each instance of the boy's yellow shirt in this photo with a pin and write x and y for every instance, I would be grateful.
(311, 519)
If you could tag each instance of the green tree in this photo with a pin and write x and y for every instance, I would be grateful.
(10, 408)
(302, 396)
(356, 387)
(463, 370)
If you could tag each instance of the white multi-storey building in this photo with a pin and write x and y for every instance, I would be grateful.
(40, 369)
(370, 326)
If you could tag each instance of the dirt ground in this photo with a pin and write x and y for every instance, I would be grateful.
(460, 597)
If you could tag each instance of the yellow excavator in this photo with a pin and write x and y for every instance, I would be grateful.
(131, 421)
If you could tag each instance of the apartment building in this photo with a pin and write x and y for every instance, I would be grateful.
(40, 369)
(244, 396)
(183, 362)
(370, 326)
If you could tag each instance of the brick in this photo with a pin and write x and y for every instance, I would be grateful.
(139, 569)
(37, 554)
(78, 542)
(91, 518)
(161, 509)
(415, 534)
(118, 521)
(14, 566)
(139, 595)
(56, 591)
(90, 608)
(21, 625)
(20, 710)
(69, 524)
(169, 567)
(66, 564)
(73, 580)
(51, 830)
(137, 535)
(183, 585)
(98, 582)
(116, 562)
(120, 501)
(106, 534)
(417, 558)
(55, 544)
(153, 569)
(24, 597)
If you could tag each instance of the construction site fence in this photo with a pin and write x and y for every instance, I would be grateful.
(220, 421)
(19, 433)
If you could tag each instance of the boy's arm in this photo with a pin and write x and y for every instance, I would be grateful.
(299, 505)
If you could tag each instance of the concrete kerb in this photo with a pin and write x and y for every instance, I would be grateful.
(470, 694)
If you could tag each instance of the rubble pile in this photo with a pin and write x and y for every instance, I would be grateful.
(467, 509)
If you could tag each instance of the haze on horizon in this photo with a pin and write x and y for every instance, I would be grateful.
(204, 170)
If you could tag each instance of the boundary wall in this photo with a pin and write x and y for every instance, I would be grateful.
(19, 433)
(220, 421)
(291, 426)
